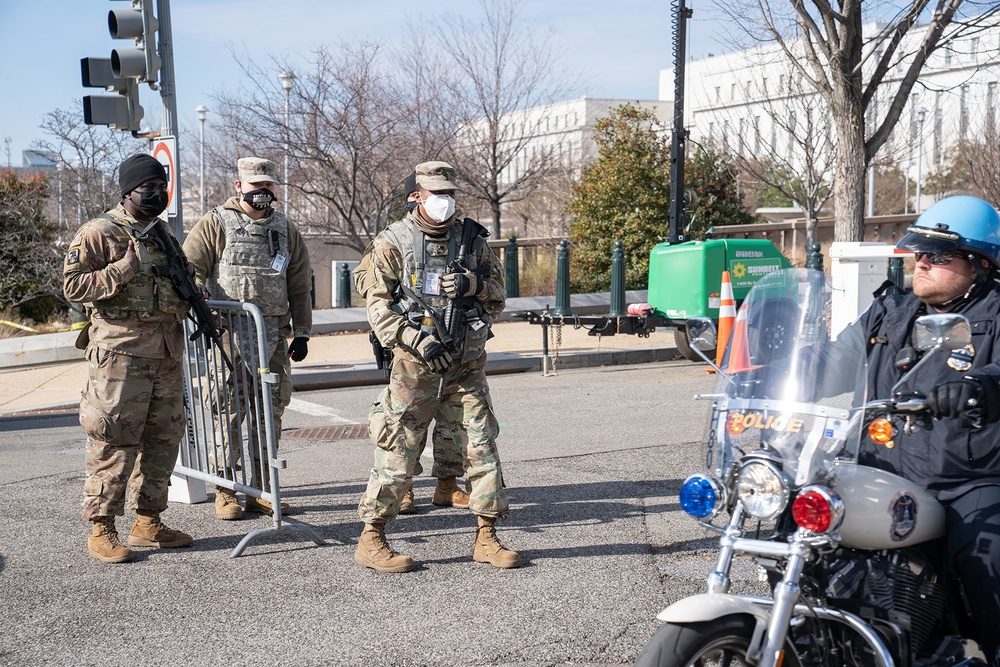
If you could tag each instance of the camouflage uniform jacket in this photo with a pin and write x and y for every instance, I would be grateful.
(131, 312)
(387, 272)
(205, 248)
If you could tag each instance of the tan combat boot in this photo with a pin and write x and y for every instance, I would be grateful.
(374, 551)
(227, 507)
(260, 506)
(447, 494)
(488, 548)
(149, 531)
(103, 542)
(409, 504)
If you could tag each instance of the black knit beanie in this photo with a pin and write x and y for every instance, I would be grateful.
(410, 184)
(137, 169)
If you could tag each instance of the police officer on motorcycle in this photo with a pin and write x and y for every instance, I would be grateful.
(956, 244)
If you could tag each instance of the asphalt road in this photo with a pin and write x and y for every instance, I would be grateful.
(593, 459)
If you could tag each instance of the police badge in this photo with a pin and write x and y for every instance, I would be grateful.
(961, 359)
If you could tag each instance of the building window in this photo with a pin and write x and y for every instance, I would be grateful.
(781, 84)
(975, 49)
(947, 58)
(991, 102)
(963, 112)
(938, 128)
(711, 130)
(718, 94)
(732, 92)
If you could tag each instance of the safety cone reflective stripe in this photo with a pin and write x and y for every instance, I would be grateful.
(739, 349)
(727, 315)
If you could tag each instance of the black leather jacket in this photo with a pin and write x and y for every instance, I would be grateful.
(951, 457)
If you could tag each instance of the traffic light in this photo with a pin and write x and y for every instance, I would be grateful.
(121, 111)
(138, 23)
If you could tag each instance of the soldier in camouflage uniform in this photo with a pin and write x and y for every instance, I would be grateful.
(246, 251)
(449, 464)
(413, 277)
(133, 405)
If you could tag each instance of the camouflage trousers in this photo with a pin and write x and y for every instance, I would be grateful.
(398, 424)
(239, 416)
(133, 412)
(448, 458)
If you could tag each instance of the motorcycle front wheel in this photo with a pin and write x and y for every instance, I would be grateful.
(721, 642)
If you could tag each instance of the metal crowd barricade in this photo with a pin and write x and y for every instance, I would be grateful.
(231, 434)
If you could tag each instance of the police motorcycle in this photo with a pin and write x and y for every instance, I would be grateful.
(846, 552)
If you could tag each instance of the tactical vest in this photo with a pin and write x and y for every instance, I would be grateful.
(245, 272)
(151, 299)
(425, 260)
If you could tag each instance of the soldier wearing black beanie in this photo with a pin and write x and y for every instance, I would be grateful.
(137, 169)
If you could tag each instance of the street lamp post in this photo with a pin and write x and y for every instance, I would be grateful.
(921, 114)
(287, 81)
(202, 115)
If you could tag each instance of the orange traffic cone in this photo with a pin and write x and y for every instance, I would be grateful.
(739, 348)
(727, 315)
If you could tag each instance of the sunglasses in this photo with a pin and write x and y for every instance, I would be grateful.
(937, 258)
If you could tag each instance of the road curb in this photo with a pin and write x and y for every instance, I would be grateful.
(359, 374)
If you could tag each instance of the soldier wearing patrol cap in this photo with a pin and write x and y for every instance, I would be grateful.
(415, 272)
(246, 251)
(448, 460)
(132, 407)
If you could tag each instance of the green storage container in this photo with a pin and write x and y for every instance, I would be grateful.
(685, 278)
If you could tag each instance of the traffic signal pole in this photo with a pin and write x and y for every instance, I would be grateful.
(149, 61)
(168, 97)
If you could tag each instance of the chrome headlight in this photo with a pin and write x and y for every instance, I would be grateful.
(702, 496)
(762, 489)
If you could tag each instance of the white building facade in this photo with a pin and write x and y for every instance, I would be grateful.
(755, 102)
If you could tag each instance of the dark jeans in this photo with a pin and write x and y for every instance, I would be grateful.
(974, 551)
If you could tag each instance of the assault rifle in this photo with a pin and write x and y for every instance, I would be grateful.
(178, 271)
(470, 230)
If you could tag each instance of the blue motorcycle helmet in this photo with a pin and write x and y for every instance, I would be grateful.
(961, 223)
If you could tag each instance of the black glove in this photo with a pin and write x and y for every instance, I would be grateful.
(462, 283)
(951, 399)
(434, 353)
(299, 348)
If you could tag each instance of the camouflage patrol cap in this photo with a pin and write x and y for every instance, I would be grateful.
(256, 170)
(436, 176)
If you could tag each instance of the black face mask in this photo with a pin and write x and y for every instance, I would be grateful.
(411, 206)
(152, 203)
(259, 199)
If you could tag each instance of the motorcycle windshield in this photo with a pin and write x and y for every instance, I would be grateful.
(770, 395)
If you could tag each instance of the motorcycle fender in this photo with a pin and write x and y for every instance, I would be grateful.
(710, 606)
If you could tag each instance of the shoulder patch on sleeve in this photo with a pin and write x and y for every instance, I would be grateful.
(73, 256)
(77, 240)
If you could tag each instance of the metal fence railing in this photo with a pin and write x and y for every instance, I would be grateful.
(231, 439)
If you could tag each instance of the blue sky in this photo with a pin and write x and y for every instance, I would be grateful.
(618, 48)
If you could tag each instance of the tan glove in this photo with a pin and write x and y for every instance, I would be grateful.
(434, 353)
(463, 283)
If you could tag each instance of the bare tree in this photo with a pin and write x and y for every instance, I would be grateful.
(87, 157)
(352, 134)
(785, 145)
(827, 45)
(504, 70)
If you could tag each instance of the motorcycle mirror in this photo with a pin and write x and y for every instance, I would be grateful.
(949, 331)
(701, 334)
(940, 331)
